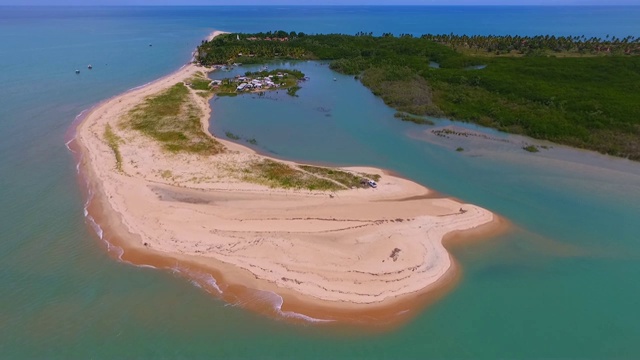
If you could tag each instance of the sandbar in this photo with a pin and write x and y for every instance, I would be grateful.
(356, 250)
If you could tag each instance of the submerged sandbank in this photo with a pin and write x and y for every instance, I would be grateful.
(357, 255)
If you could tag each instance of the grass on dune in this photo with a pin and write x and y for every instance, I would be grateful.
(172, 119)
(198, 83)
(114, 141)
(279, 175)
(345, 178)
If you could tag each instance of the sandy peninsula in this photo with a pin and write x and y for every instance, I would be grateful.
(354, 249)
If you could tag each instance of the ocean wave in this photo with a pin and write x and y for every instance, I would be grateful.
(117, 249)
(85, 208)
(202, 280)
(67, 145)
(277, 301)
(71, 133)
(139, 87)
(81, 113)
(95, 226)
(111, 248)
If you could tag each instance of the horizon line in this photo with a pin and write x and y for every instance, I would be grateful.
(324, 5)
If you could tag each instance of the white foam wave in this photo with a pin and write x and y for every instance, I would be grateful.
(117, 249)
(143, 265)
(211, 281)
(202, 280)
(95, 226)
(67, 145)
(277, 301)
(81, 113)
(85, 209)
(74, 137)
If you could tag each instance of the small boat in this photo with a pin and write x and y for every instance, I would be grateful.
(372, 184)
(77, 71)
(334, 79)
(89, 67)
(150, 44)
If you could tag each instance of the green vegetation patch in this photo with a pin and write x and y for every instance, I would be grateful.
(114, 141)
(345, 178)
(199, 81)
(292, 91)
(583, 102)
(412, 118)
(531, 148)
(173, 119)
(199, 84)
(166, 174)
(279, 175)
(402, 89)
(296, 74)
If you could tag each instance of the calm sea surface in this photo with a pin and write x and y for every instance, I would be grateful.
(564, 283)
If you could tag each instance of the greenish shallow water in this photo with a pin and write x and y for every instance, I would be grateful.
(563, 284)
(573, 253)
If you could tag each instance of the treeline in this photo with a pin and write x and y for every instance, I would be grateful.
(589, 102)
(296, 74)
(255, 48)
(540, 45)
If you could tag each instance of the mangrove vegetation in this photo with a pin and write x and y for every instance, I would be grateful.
(578, 91)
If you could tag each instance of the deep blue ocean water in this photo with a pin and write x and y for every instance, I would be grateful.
(563, 284)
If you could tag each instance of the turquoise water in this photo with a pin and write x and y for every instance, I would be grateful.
(562, 284)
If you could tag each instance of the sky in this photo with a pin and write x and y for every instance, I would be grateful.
(320, 2)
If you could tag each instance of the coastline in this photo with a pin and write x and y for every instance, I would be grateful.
(133, 214)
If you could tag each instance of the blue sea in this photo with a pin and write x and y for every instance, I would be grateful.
(562, 284)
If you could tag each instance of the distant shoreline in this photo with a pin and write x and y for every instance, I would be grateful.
(358, 256)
